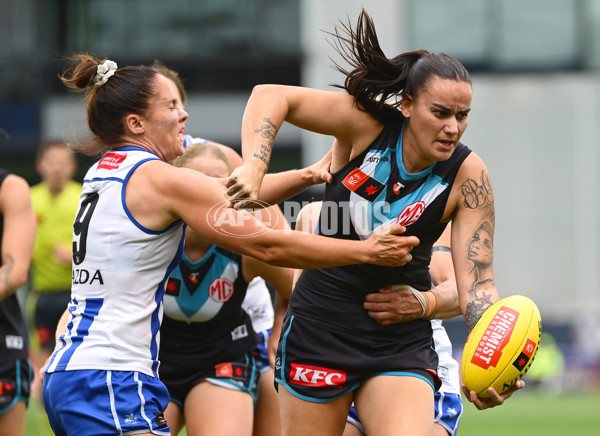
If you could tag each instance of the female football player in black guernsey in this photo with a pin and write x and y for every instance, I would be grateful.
(396, 158)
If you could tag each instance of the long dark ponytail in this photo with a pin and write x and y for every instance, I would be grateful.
(377, 83)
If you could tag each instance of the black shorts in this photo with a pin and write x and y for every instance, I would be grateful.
(15, 384)
(49, 307)
(240, 374)
(319, 364)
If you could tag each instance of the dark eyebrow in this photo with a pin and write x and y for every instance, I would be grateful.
(447, 109)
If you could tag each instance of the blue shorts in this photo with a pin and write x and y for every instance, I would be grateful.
(15, 384)
(260, 351)
(448, 409)
(99, 403)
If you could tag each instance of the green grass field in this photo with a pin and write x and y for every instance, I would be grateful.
(535, 414)
(530, 413)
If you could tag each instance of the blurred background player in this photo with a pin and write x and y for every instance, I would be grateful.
(17, 233)
(55, 201)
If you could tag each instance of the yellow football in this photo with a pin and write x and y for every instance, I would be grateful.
(502, 345)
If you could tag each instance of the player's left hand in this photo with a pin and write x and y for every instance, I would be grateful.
(495, 399)
(393, 304)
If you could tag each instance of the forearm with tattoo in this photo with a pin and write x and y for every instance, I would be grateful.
(476, 307)
(267, 131)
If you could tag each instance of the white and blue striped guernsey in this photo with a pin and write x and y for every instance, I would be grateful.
(119, 273)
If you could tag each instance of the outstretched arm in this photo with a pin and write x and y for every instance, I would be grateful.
(198, 201)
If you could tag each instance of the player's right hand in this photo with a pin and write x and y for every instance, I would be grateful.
(495, 398)
(393, 304)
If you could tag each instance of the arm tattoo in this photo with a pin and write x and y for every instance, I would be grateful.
(261, 157)
(266, 131)
(476, 308)
(477, 194)
(5, 281)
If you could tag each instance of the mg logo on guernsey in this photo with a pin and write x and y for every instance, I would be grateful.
(411, 213)
(316, 376)
(220, 290)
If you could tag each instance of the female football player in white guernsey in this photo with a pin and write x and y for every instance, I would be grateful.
(128, 237)
(398, 158)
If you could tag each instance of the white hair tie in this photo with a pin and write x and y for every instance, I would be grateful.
(105, 71)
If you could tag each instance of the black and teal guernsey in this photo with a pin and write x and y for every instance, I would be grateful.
(372, 190)
(204, 322)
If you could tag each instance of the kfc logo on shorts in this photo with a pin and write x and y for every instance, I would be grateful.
(111, 161)
(315, 376)
(220, 290)
(411, 213)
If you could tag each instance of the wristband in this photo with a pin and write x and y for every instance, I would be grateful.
(421, 298)
(430, 306)
(428, 302)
